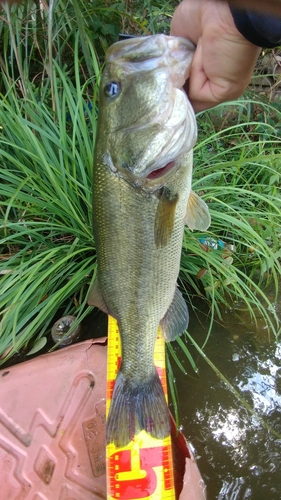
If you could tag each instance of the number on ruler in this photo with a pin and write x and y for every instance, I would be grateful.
(141, 487)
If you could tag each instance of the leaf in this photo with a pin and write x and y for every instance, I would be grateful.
(230, 281)
(38, 346)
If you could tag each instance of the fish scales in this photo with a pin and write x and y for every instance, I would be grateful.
(142, 199)
(138, 278)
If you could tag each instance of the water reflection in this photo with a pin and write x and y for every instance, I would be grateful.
(261, 386)
(238, 456)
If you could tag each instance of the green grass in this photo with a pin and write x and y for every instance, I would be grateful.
(47, 251)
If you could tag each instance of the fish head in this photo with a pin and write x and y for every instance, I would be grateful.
(146, 122)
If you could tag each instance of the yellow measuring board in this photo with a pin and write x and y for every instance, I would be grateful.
(144, 468)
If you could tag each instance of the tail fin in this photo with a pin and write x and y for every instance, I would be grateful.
(137, 407)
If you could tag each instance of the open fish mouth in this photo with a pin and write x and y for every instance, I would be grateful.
(160, 172)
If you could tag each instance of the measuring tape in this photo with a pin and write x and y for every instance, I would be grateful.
(144, 468)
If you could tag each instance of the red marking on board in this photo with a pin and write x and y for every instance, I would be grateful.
(118, 363)
(110, 387)
(161, 372)
(127, 489)
(162, 375)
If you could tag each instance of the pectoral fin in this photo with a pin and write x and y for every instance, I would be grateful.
(165, 217)
(197, 213)
(95, 297)
(176, 318)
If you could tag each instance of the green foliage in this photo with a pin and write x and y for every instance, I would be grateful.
(35, 34)
(237, 171)
(46, 245)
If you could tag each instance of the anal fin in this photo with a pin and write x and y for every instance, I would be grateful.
(176, 318)
(95, 297)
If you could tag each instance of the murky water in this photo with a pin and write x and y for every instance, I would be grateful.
(238, 451)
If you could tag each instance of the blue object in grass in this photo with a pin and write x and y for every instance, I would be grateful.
(212, 243)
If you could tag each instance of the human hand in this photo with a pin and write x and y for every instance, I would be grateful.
(223, 61)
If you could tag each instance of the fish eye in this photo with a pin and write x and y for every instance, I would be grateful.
(112, 89)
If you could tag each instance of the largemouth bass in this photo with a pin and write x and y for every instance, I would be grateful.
(142, 199)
